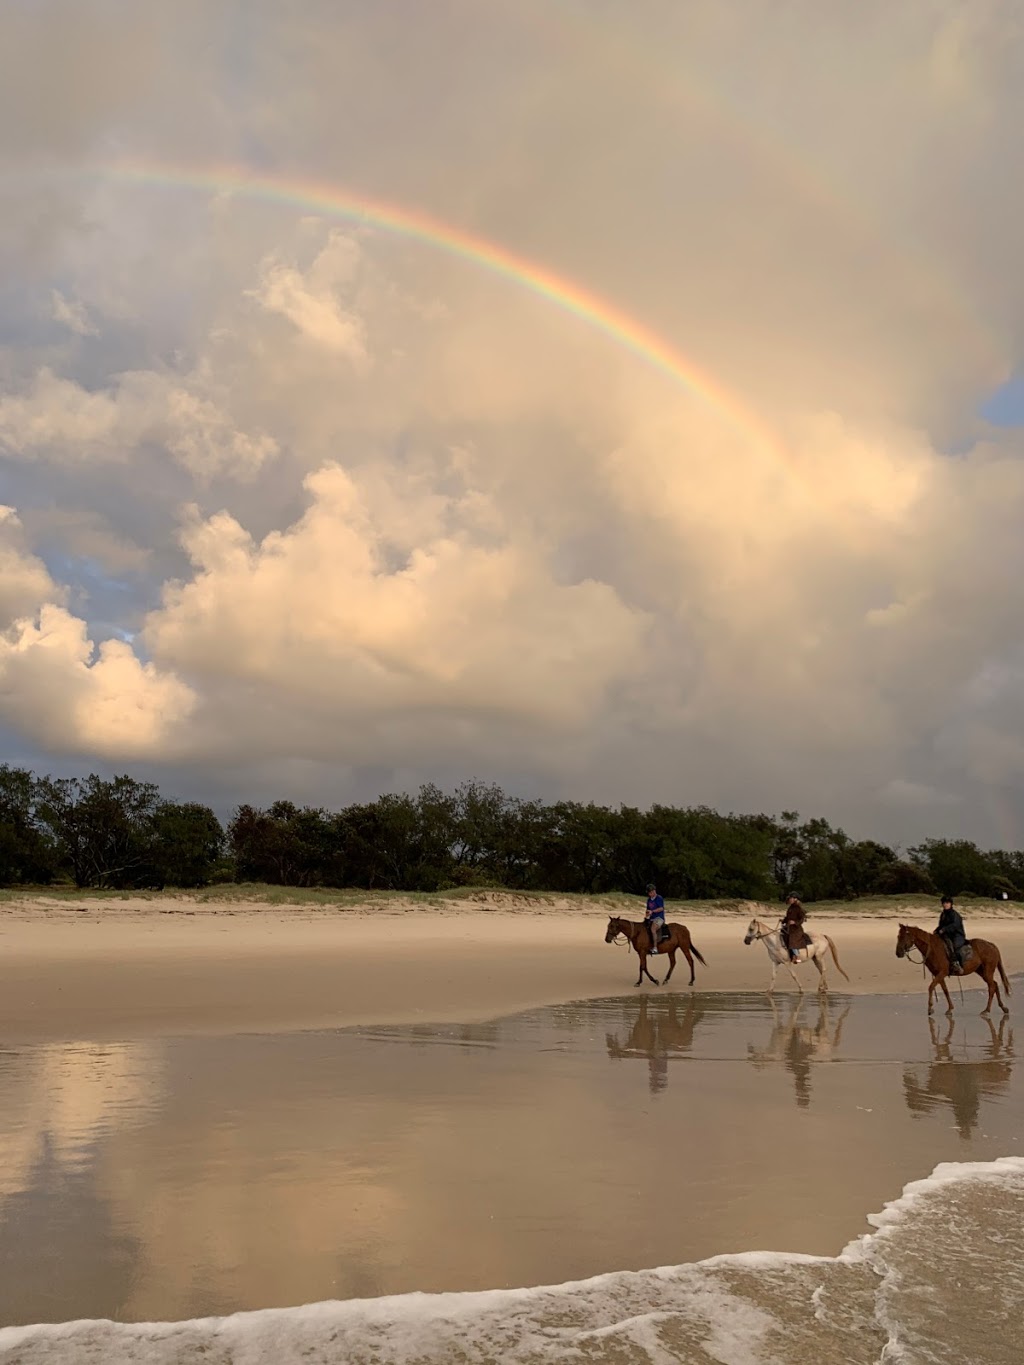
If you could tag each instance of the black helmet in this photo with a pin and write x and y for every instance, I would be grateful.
(651, 886)
(947, 900)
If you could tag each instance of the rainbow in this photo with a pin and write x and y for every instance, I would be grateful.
(590, 308)
(681, 86)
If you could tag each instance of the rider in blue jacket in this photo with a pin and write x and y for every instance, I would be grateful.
(655, 915)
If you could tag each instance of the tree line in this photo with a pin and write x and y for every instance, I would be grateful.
(121, 834)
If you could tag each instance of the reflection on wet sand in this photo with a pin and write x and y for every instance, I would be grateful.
(203, 1175)
(797, 1041)
(661, 1027)
(963, 1073)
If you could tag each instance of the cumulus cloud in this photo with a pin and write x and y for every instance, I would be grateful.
(57, 687)
(59, 419)
(25, 581)
(438, 521)
(60, 689)
(330, 609)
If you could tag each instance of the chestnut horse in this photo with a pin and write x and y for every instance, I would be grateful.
(985, 959)
(639, 935)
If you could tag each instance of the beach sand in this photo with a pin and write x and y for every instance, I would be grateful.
(206, 1110)
(109, 970)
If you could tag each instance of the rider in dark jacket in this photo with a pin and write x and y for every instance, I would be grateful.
(951, 930)
(793, 935)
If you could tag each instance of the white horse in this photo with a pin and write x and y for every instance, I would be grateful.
(778, 954)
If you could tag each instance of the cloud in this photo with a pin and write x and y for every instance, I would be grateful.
(24, 579)
(59, 688)
(331, 611)
(439, 523)
(72, 314)
(59, 419)
(310, 300)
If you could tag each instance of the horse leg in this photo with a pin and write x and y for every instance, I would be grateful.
(993, 991)
(789, 964)
(931, 994)
(822, 984)
(643, 970)
(775, 968)
(671, 963)
(945, 992)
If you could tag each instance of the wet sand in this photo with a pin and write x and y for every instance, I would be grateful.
(174, 1178)
(112, 972)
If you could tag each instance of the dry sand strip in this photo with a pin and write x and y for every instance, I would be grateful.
(104, 975)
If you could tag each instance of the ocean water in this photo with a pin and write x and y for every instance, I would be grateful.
(193, 1189)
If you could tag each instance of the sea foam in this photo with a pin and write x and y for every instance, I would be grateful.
(888, 1296)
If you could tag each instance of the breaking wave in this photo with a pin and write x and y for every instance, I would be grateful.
(909, 1291)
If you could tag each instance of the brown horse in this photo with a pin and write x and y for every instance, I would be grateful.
(985, 959)
(639, 936)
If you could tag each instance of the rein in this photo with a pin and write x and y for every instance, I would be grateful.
(916, 947)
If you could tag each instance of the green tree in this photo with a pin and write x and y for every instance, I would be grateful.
(27, 854)
(956, 866)
(187, 843)
(103, 830)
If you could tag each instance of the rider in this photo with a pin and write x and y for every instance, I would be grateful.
(793, 936)
(655, 915)
(951, 930)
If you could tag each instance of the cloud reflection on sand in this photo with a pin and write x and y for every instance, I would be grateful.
(203, 1175)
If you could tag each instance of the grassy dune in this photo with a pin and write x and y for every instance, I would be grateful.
(253, 896)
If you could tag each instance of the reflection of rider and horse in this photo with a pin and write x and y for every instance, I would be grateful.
(957, 1078)
(798, 1042)
(661, 1029)
(946, 952)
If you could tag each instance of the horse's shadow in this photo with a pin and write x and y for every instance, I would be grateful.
(954, 1079)
(663, 1026)
(798, 1044)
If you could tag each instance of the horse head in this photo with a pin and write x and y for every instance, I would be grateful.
(752, 932)
(614, 930)
(904, 940)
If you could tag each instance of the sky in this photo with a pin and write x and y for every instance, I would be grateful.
(616, 402)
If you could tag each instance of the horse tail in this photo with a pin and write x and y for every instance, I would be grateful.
(1002, 973)
(696, 952)
(835, 958)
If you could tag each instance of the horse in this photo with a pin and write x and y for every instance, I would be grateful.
(639, 935)
(820, 946)
(985, 959)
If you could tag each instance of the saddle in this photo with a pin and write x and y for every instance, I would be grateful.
(794, 937)
(958, 955)
(661, 935)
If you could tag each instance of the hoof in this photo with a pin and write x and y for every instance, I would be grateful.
(985, 1013)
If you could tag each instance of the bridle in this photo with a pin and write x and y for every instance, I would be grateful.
(620, 933)
(762, 932)
(914, 947)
